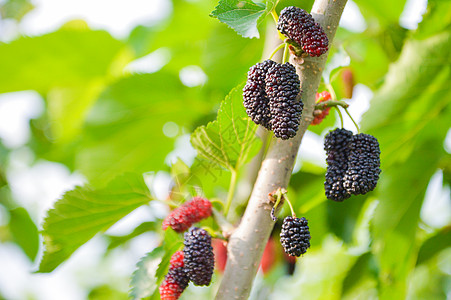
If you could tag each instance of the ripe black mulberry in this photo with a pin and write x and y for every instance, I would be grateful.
(363, 166)
(336, 144)
(299, 26)
(254, 96)
(282, 89)
(295, 235)
(198, 256)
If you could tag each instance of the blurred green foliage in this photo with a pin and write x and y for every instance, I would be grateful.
(104, 121)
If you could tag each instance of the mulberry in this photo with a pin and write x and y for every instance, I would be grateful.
(254, 96)
(199, 258)
(336, 144)
(363, 167)
(299, 26)
(323, 96)
(295, 236)
(177, 260)
(282, 88)
(176, 281)
(181, 218)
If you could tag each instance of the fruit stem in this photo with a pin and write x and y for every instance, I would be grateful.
(286, 54)
(341, 116)
(219, 202)
(168, 202)
(232, 187)
(277, 49)
(222, 222)
(274, 16)
(331, 90)
(356, 126)
(279, 198)
(214, 234)
(330, 103)
(293, 214)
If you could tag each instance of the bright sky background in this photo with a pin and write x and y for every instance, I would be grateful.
(38, 186)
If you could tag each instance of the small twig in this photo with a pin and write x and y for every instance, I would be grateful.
(331, 103)
(279, 196)
(222, 222)
(356, 126)
(289, 203)
(276, 50)
(341, 116)
(232, 187)
(286, 54)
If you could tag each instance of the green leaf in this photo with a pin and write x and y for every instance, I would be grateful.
(243, 16)
(434, 245)
(359, 275)
(172, 243)
(315, 277)
(124, 129)
(24, 232)
(386, 12)
(230, 141)
(66, 57)
(406, 80)
(152, 268)
(436, 19)
(84, 211)
(185, 33)
(116, 241)
(68, 107)
(144, 281)
(15, 9)
(222, 47)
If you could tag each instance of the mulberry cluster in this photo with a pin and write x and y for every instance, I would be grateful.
(321, 114)
(198, 256)
(270, 97)
(181, 218)
(295, 236)
(254, 96)
(176, 280)
(282, 87)
(299, 26)
(353, 164)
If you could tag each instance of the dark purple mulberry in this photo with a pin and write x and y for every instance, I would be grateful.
(254, 96)
(363, 166)
(336, 144)
(295, 236)
(282, 88)
(198, 256)
(299, 26)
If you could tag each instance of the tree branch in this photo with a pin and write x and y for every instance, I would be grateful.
(247, 243)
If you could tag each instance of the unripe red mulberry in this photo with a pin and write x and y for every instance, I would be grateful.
(299, 26)
(181, 218)
(176, 281)
(323, 96)
(177, 260)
